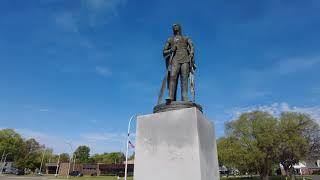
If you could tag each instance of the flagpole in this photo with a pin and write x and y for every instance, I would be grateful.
(127, 151)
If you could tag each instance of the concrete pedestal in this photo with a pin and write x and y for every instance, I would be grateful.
(176, 145)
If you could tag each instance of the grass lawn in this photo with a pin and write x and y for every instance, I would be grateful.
(258, 178)
(50, 177)
(131, 178)
(91, 178)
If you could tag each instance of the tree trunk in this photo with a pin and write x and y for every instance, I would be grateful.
(265, 170)
(292, 173)
(264, 177)
(264, 174)
(287, 170)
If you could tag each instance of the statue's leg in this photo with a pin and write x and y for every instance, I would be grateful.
(184, 81)
(174, 80)
(177, 82)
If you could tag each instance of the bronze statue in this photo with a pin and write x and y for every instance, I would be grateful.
(179, 55)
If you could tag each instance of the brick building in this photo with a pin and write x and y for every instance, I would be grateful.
(90, 169)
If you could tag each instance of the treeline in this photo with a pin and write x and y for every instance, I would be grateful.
(257, 142)
(28, 153)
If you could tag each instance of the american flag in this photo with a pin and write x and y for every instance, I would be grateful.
(131, 145)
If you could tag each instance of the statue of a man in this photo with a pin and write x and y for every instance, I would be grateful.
(179, 55)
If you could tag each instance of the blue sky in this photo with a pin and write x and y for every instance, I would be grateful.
(77, 70)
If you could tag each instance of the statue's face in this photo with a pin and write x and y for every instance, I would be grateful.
(176, 28)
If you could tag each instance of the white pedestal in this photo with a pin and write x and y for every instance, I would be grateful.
(176, 145)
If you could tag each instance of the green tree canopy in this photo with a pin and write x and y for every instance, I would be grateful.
(82, 154)
(252, 142)
(64, 157)
(108, 158)
(131, 157)
(258, 141)
(12, 144)
(299, 137)
(32, 154)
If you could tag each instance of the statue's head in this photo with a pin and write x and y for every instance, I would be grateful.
(176, 28)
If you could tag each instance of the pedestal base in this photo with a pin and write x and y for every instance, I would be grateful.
(176, 145)
(175, 105)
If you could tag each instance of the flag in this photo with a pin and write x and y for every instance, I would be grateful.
(130, 144)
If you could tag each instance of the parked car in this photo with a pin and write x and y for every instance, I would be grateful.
(10, 170)
(39, 174)
(76, 173)
(19, 172)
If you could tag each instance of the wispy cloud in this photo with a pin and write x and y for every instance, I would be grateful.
(52, 141)
(254, 93)
(36, 108)
(98, 142)
(101, 11)
(90, 13)
(296, 64)
(316, 90)
(284, 66)
(103, 71)
(67, 21)
(102, 136)
(256, 82)
(276, 109)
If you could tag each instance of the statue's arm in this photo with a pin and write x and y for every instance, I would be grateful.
(191, 52)
(167, 49)
(191, 47)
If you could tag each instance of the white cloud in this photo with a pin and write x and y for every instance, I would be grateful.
(66, 21)
(44, 110)
(90, 13)
(103, 71)
(276, 109)
(94, 137)
(316, 90)
(99, 6)
(52, 141)
(98, 142)
(254, 93)
(296, 64)
(36, 108)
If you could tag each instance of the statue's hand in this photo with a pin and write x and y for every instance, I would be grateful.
(173, 49)
(194, 67)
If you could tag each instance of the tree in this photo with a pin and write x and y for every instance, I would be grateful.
(258, 141)
(64, 157)
(82, 154)
(116, 157)
(109, 158)
(32, 154)
(12, 144)
(253, 136)
(98, 158)
(132, 156)
(299, 137)
(231, 154)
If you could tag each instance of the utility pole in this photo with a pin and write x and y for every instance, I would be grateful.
(69, 143)
(58, 164)
(74, 160)
(42, 161)
(127, 150)
(4, 162)
(4, 151)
